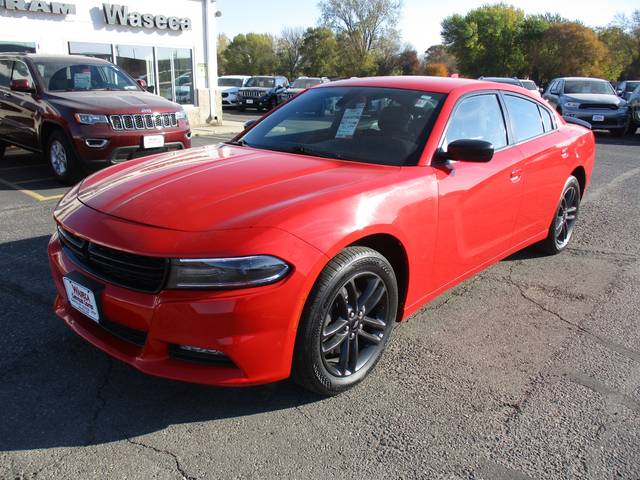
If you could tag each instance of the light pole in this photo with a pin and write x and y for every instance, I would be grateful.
(211, 52)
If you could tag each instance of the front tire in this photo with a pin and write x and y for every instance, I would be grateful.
(564, 220)
(3, 147)
(346, 322)
(62, 158)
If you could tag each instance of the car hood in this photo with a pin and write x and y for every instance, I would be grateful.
(220, 187)
(595, 98)
(112, 102)
(229, 89)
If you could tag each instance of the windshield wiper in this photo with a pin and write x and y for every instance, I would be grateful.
(239, 143)
(305, 150)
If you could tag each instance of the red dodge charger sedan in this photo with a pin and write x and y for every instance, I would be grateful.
(294, 248)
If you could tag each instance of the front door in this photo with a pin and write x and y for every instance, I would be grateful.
(478, 202)
(22, 111)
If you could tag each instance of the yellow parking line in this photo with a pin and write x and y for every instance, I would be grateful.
(30, 193)
(18, 167)
(31, 180)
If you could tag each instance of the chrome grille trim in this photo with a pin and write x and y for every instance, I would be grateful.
(154, 121)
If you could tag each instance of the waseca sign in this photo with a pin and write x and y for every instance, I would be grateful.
(113, 14)
(120, 15)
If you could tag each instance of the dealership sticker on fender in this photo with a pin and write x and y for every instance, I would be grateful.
(153, 141)
(82, 299)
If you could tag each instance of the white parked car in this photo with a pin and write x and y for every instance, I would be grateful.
(230, 84)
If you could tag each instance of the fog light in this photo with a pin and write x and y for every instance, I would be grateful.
(203, 351)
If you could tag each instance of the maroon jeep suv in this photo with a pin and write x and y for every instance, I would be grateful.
(83, 113)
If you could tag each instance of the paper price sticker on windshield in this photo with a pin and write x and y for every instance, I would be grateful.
(349, 121)
(82, 80)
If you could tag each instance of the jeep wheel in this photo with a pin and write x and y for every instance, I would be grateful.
(62, 158)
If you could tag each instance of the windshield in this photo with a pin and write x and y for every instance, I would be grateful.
(588, 86)
(306, 82)
(74, 77)
(631, 86)
(262, 82)
(376, 125)
(229, 82)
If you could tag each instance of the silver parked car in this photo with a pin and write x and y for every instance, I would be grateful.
(590, 99)
(626, 88)
(229, 85)
(300, 84)
(524, 83)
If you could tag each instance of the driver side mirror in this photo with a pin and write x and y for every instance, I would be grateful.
(468, 150)
(249, 124)
(143, 84)
(23, 85)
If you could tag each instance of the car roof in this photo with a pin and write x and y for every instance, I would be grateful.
(73, 59)
(582, 78)
(427, 84)
(234, 76)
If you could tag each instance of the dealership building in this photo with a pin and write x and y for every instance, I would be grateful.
(169, 44)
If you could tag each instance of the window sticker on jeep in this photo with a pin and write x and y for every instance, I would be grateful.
(349, 121)
(82, 81)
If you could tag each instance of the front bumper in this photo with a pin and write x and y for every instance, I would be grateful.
(254, 328)
(122, 145)
(612, 119)
(256, 102)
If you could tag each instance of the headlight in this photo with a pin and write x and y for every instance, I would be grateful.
(572, 105)
(237, 272)
(181, 115)
(90, 118)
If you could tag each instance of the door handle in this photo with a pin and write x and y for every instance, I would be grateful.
(516, 175)
(564, 153)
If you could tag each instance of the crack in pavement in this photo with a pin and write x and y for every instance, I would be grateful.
(622, 350)
(183, 474)
(101, 401)
(608, 393)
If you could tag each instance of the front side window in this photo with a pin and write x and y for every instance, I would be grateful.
(261, 82)
(366, 124)
(21, 72)
(631, 86)
(478, 118)
(96, 50)
(525, 117)
(5, 73)
(175, 75)
(74, 77)
(588, 86)
(555, 87)
(138, 63)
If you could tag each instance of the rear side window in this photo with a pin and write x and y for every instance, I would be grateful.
(547, 122)
(5, 72)
(478, 118)
(525, 118)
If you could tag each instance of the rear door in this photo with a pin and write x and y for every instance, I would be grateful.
(22, 111)
(478, 202)
(5, 92)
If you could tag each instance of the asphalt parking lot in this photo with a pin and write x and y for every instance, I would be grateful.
(530, 370)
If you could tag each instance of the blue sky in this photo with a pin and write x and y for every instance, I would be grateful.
(420, 21)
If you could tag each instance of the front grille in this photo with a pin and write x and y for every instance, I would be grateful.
(596, 106)
(143, 122)
(253, 93)
(136, 272)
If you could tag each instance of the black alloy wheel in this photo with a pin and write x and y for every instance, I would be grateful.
(564, 220)
(346, 322)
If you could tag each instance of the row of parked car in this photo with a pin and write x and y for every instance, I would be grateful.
(590, 100)
(261, 92)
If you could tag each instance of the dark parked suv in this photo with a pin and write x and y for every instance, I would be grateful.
(261, 92)
(83, 113)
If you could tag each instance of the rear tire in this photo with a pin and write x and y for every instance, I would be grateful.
(62, 158)
(346, 322)
(564, 220)
(3, 147)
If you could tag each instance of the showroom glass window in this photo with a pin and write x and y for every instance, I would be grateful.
(138, 62)
(525, 117)
(96, 50)
(175, 74)
(14, 47)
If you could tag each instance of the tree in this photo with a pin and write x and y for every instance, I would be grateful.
(620, 46)
(485, 41)
(387, 55)
(319, 52)
(626, 37)
(409, 62)
(360, 25)
(223, 43)
(251, 54)
(440, 54)
(570, 49)
(290, 51)
(436, 70)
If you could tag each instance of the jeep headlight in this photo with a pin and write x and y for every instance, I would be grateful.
(90, 118)
(222, 273)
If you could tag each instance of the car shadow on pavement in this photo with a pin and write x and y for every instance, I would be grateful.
(605, 138)
(58, 391)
